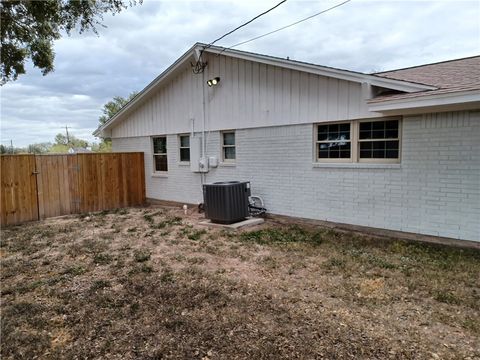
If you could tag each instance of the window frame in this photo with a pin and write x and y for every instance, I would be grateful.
(355, 143)
(317, 143)
(180, 147)
(223, 146)
(154, 154)
(380, 160)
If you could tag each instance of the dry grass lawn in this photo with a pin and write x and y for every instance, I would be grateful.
(152, 284)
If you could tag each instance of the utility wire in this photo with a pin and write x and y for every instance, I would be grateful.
(285, 27)
(199, 66)
(248, 22)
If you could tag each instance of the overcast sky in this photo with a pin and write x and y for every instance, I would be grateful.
(140, 42)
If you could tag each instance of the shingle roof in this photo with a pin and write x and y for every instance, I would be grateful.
(448, 76)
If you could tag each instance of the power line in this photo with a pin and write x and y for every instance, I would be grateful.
(199, 66)
(285, 27)
(248, 22)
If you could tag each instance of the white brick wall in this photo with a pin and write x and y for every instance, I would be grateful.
(435, 190)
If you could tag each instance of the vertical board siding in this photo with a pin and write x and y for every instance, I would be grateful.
(249, 95)
(68, 184)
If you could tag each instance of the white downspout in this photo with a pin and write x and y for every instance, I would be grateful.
(204, 143)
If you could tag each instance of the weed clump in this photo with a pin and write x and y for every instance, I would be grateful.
(99, 285)
(192, 233)
(169, 221)
(141, 255)
(446, 297)
(102, 259)
(74, 270)
(289, 235)
(167, 276)
(143, 268)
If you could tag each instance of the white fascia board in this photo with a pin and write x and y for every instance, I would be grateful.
(144, 93)
(425, 101)
(323, 71)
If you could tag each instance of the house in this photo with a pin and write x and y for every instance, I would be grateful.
(79, 150)
(396, 150)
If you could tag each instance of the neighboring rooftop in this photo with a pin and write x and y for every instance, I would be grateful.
(448, 76)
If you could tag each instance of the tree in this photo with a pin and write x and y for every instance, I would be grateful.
(72, 141)
(104, 146)
(40, 148)
(109, 110)
(62, 144)
(28, 29)
(114, 106)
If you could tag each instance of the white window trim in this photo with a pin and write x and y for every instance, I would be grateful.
(355, 144)
(222, 147)
(180, 162)
(155, 171)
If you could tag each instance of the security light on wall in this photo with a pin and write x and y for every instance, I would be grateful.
(213, 82)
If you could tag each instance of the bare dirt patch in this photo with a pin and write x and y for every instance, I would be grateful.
(151, 283)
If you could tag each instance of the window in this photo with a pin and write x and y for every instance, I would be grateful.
(160, 153)
(359, 141)
(228, 146)
(379, 140)
(333, 141)
(184, 148)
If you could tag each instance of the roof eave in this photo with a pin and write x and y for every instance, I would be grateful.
(462, 99)
(374, 80)
(193, 51)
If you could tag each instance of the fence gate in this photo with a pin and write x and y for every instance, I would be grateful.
(40, 186)
(18, 202)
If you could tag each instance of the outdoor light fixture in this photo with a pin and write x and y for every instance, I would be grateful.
(213, 81)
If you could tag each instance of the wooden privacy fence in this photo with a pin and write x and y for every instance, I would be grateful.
(36, 187)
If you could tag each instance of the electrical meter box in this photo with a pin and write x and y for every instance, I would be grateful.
(195, 153)
(213, 161)
(198, 163)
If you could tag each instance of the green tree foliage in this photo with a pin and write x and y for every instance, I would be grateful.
(60, 146)
(29, 28)
(71, 141)
(109, 110)
(63, 144)
(104, 146)
(40, 148)
(12, 150)
(114, 106)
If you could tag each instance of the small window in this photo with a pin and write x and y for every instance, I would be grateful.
(379, 140)
(334, 141)
(184, 148)
(160, 153)
(228, 146)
